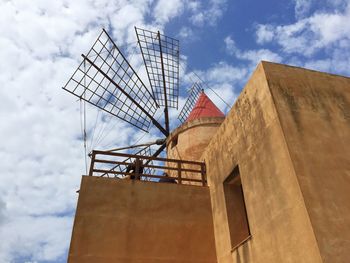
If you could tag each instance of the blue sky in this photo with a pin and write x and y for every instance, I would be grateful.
(41, 153)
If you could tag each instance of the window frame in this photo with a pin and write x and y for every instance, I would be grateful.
(232, 186)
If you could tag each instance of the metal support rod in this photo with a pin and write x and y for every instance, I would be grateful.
(144, 59)
(154, 121)
(147, 165)
(203, 173)
(149, 175)
(152, 95)
(148, 157)
(166, 114)
(137, 168)
(159, 142)
(161, 148)
(179, 179)
(92, 163)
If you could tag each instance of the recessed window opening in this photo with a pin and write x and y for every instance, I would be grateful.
(236, 209)
(174, 141)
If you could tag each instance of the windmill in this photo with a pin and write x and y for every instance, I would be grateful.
(106, 80)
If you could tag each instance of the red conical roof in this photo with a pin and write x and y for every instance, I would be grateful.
(204, 108)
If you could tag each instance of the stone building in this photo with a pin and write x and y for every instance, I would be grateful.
(278, 183)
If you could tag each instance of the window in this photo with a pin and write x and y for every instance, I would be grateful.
(174, 141)
(235, 208)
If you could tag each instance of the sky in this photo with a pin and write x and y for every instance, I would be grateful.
(41, 151)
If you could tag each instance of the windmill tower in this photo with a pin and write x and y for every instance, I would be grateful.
(200, 121)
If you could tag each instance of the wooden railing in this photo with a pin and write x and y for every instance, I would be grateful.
(115, 164)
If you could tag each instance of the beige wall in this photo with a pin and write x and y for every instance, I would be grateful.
(192, 139)
(251, 137)
(314, 111)
(135, 221)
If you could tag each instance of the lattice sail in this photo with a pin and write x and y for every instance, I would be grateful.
(195, 92)
(106, 80)
(161, 57)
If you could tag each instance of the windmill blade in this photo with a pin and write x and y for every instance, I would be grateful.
(161, 57)
(195, 91)
(106, 80)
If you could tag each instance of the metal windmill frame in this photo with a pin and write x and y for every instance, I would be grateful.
(106, 80)
(160, 54)
(193, 96)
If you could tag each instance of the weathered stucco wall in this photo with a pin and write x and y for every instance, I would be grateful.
(252, 138)
(192, 139)
(314, 111)
(135, 221)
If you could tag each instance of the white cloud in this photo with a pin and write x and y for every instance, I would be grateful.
(308, 35)
(230, 44)
(198, 19)
(38, 241)
(225, 73)
(223, 95)
(337, 62)
(324, 34)
(167, 9)
(321, 64)
(330, 28)
(253, 56)
(193, 5)
(187, 35)
(2, 211)
(221, 82)
(201, 13)
(208, 13)
(302, 7)
(264, 34)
